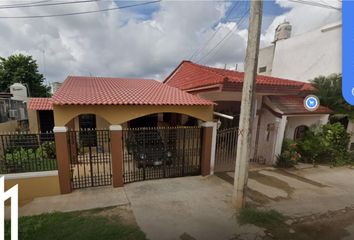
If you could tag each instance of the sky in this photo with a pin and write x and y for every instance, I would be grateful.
(145, 41)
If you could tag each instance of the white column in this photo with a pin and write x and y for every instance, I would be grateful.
(280, 137)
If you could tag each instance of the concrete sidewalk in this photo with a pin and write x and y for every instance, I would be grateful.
(178, 208)
(82, 199)
(186, 208)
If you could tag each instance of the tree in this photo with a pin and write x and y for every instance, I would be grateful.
(329, 91)
(23, 69)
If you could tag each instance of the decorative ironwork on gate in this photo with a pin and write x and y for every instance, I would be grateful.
(153, 153)
(226, 149)
(90, 158)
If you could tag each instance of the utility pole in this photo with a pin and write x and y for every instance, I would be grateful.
(247, 105)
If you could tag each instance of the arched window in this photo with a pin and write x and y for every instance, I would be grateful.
(300, 131)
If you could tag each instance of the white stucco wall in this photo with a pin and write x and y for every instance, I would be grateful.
(309, 55)
(267, 137)
(307, 120)
(265, 59)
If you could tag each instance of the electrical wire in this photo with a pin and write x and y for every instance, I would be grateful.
(241, 20)
(23, 3)
(79, 13)
(316, 4)
(199, 50)
(48, 4)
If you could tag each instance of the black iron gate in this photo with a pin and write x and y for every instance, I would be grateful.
(226, 149)
(153, 153)
(90, 158)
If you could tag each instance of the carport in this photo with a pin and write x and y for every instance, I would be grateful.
(95, 157)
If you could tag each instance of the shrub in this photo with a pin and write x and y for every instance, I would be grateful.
(326, 144)
(27, 159)
(290, 154)
(49, 148)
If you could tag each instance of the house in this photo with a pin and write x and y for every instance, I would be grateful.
(166, 105)
(279, 114)
(302, 57)
(13, 113)
(111, 131)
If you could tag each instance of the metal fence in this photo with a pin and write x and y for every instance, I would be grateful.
(27, 152)
(226, 149)
(153, 153)
(90, 158)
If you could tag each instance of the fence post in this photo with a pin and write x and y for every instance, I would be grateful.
(117, 155)
(208, 148)
(63, 160)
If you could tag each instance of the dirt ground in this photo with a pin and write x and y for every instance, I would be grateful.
(318, 203)
(329, 226)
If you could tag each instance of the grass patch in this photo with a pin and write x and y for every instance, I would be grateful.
(86, 225)
(260, 218)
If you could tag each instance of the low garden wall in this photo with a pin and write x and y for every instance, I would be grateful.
(33, 184)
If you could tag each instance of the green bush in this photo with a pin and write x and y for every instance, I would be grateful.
(326, 144)
(290, 154)
(29, 160)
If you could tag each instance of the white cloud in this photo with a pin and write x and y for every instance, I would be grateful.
(124, 44)
(303, 18)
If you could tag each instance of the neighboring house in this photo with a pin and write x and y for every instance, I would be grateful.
(279, 111)
(54, 86)
(13, 112)
(303, 57)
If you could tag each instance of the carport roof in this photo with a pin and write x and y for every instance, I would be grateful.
(40, 104)
(77, 90)
(295, 105)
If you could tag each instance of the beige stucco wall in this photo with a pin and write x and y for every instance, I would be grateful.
(9, 126)
(31, 186)
(33, 120)
(118, 114)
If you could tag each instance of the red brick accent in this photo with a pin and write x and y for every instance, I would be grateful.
(117, 158)
(206, 150)
(63, 160)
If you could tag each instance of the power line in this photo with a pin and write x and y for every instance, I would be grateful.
(198, 51)
(22, 4)
(316, 4)
(241, 20)
(79, 13)
(48, 4)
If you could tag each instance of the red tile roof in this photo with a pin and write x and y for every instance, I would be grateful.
(40, 104)
(295, 105)
(189, 75)
(121, 91)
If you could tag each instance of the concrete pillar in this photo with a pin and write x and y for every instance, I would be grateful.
(207, 145)
(63, 159)
(213, 148)
(280, 137)
(117, 155)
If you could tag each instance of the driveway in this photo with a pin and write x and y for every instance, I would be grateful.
(185, 208)
(302, 192)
